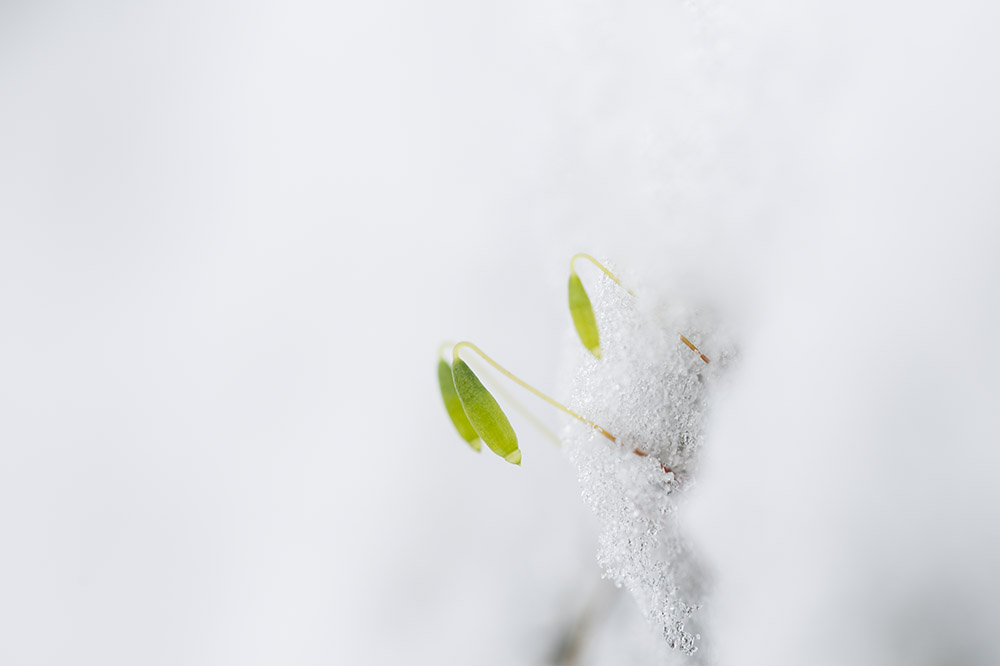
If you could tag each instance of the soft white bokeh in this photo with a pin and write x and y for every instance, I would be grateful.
(232, 237)
(232, 240)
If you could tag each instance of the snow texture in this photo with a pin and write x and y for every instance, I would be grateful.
(654, 394)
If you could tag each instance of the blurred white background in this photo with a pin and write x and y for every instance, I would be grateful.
(232, 236)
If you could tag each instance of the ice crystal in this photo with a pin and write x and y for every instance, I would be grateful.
(652, 393)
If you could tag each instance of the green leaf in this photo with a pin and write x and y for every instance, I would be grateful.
(454, 406)
(485, 414)
(583, 316)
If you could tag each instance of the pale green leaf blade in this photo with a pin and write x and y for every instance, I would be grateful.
(485, 414)
(454, 406)
(583, 316)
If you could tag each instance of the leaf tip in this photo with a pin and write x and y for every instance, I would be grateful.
(514, 457)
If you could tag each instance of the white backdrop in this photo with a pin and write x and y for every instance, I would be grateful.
(232, 236)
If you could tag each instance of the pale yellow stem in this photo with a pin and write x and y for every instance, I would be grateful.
(514, 378)
(582, 255)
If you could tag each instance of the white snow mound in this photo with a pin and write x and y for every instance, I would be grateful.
(653, 394)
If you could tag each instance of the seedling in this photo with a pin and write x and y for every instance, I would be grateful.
(480, 409)
(583, 312)
(483, 414)
(474, 411)
(580, 308)
(635, 507)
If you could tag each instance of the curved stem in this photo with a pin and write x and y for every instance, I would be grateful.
(583, 255)
(555, 403)
(525, 412)
(502, 370)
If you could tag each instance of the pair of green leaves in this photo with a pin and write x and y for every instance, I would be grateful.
(475, 412)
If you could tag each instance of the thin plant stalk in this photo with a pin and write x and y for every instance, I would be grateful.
(525, 385)
(583, 255)
(509, 397)
(614, 278)
(552, 401)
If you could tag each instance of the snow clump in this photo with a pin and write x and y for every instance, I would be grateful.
(653, 394)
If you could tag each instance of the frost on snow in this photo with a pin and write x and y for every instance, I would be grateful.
(652, 393)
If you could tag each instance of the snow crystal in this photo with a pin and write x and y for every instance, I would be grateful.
(651, 392)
